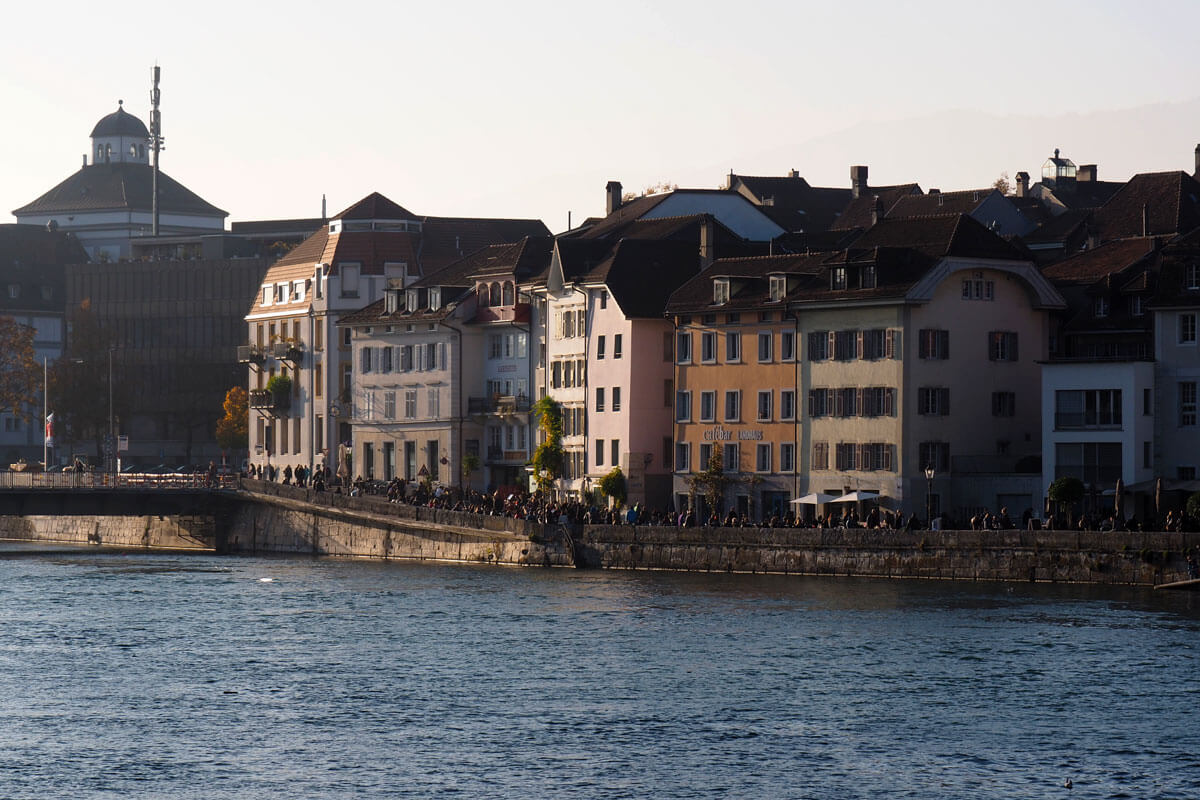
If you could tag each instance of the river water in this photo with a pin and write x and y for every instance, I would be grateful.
(193, 676)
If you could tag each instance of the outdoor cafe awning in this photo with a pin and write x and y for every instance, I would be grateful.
(855, 497)
(814, 499)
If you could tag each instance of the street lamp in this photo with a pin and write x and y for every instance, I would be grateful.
(929, 473)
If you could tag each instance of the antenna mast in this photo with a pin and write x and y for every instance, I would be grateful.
(156, 144)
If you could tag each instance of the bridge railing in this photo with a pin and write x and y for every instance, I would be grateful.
(103, 480)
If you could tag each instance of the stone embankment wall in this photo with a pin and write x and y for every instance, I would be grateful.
(270, 518)
(1068, 556)
(285, 519)
(186, 532)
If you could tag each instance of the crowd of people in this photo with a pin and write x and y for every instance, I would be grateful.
(540, 507)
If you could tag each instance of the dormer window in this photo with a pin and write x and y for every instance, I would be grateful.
(392, 301)
(281, 292)
(1135, 306)
(868, 277)
(411, 301)
(435, 298)
(509, 294)
(266, 295)
(721, 291)
(837, 278)
(482, 292)
(1191, 276)
(1100, 307)
(778, 288)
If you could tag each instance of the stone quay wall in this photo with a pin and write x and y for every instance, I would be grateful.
(271, 518)
(167, 532)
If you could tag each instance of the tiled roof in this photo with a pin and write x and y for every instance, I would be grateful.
(119, 186)
(1060, 229)
(696, 295)
(792, 203)
(445, 240)
(1092, 265)
(625, 214)
(1179, 257)
(376, 206)
(1082, 194)
(1171, 201)
(376, 313)
(520, 260)
(921, 205)
(642, 274)
(858, 212)
(938, 236)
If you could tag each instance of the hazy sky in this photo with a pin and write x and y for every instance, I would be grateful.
(526, 109)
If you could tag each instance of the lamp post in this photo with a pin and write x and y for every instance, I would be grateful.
(929, 473)
(112, 439)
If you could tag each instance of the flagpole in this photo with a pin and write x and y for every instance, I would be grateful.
(45, 413)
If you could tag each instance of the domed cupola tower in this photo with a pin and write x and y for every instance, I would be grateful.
(120, 138)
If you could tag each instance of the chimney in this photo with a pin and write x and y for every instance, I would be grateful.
(324, 216)
(792, 173)
(612, 196)
(1022, 184)
(708, 233)
(877, 211)
(858, 181)
(1145, 219)
(1086, 173)
(1197, 155)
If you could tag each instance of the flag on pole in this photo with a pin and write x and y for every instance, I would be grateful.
(50, 430)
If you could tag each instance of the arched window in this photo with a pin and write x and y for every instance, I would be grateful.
(508, 293)
(495, 294)
(482, 291)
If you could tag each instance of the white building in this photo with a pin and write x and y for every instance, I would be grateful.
(109, 201)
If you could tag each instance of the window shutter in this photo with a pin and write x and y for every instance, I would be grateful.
(923, 344)
(887, 456)
(991, 337)
(864, 456)
(889, 402)
(889, 344)
(832, 343)
(944, 344)
(944, 401)
(860, 344)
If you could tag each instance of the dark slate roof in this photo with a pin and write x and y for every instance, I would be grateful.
(752, 290)
(939, 236)
(1093, 265)
(857, 213)
(376, 206)
(445, 240)
(792, 203)
(1171, 201)
(119, 186)
(120, 123)
(641, 274)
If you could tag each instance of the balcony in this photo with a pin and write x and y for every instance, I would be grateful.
(287, 351)
(514, 313)
(249, 354)
(498, 404)
(265, 400)
(497, 455)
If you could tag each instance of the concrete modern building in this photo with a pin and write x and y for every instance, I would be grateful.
(32, 271)
(109, 202)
